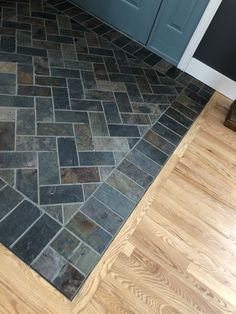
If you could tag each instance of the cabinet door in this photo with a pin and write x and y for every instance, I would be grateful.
(133, 17)
(174, 26)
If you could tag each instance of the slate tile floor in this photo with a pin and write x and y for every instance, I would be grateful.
(85, 127)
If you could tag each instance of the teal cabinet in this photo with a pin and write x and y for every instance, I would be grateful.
(133, 17)
(174, 26)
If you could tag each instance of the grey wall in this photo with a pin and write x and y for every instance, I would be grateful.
(218, 46)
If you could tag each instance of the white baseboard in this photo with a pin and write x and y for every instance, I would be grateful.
(211, 77)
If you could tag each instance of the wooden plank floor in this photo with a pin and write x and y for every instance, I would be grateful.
(177, 251)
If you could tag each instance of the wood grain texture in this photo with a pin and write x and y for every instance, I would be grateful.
(175, 254)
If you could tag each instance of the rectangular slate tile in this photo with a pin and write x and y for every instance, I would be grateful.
(88, 79)
(9, 199)
(156, 99)
(55, 58)
(125, 185)
(25, 74)
(60, 39)
(132, 47)
(16, 25)
(34, 143)
(38, 32)
(75, 88)
(131, 70)
(8, 44)
(17, 222)
(184, 110)
(99, 95)
(7, 136)
(135, 118)
(65, 243)
(111, 112)
(101, 52)
(152, 152)
(177, 116)
(48, 168)
(121, 57)
(102, 29)
(12, 57)
(143, 84)
(164, 90)
(80, 175)
(96, 159)
(173, 125)
(89, 58)
(7, 175)
(18, 160)
(86, 105)
(142, 53)
(65, 72)
(81, 45)
(83, 137)
(68, 281)
(34, 90)
(111, 86)
(24, 38)
(136, 174)
(100, 71)
(89, 232)
(166, 133)
(68, 51)
(133, 92)
(50, 81)
(31, 51)
(84, 258)
(152, 76)
(8, 83)
(121, 41)
(44, 109)
(98, 124)
(102, 215)
(55, 129)
(7, 67)
(123, 102)
(126, 78)
(143, 162)
(43, 15)
(63, 21)
(7, 31)
(27, 183)
(152, 59)
(42, 44)
(61, 194)
(25, 122)
(159, 142)
(36, 238)
(83, 65)
(61, 98)
(111, 144)
(111, 65)
(49, 263)
(123, 130)
(71, 116)
(67, 152)
(41, 66)
(51, 27)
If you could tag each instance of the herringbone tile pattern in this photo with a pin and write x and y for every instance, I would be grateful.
(85, 128)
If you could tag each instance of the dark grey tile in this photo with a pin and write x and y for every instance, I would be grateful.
(132, 47)
(80, 175)
(12, 57)
(89, 58)
(84, 258)
(25, 122)
(29, 90)
(143, 162)
(125, 185)
(44, 109)
(100, 71)
(142, 53)
(177, 116)
(135, 118)
(60, 39)
(136, 174)
(111, 112)
(7, 136)
(98, 95)
(156, 99)
(68, 281)
(8, 83)
(61, 194)
(65, 72)
(89, 189)
(34, 143)
(65, 244)
(9, 199)
(159, 142)
(18, 160)
(55, 58)
(173, 125)
(49, 263)
(41, 66)
(38, 32)
(86, 105)
(71, 116)
(50, 81)
(88, 79)
(48, 168)
(111, 65)
(143, 84)
(126, 78)
(152, 152)
(17, 222)
(102, 215)
(101, 52)
(115, 144)
(96, 159)
(43, 15)
(102, 29)
(98, 124)
(67, 152)
(164, 90)
(123, 102)
(148, 108)
(152, 59)
(61, 98)
(133, 92)
(166, 133)
(123, 130)
(8, 44)
(72, 64)
(83, 137)
(27, 183)
(24, 38)
(55, 211)
(51, 27)
(89, 232)
(7, 175)
(75, 88)
(36, 238)
(55, 129)
(31, 51)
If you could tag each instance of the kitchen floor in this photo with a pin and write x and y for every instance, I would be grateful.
(87, 120)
